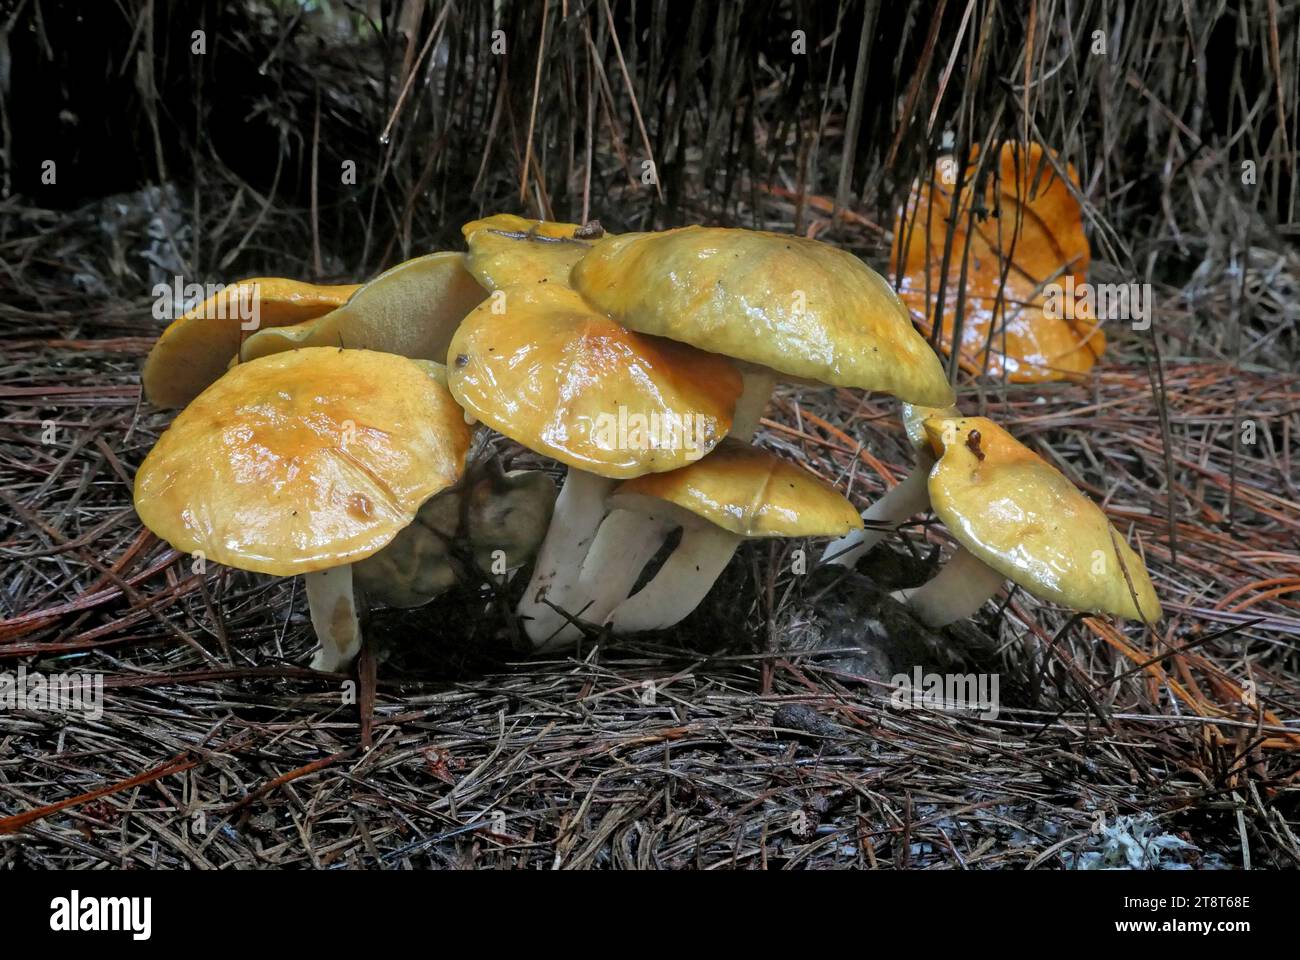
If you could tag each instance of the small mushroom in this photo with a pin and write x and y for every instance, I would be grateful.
(540, 366)
(1019, 518)
(410, 310)
(305, 462)
(505, 250)
(736, 492)
(196, 348)
(783, 305)
(491, 512)
(508, 513)
(908, 498)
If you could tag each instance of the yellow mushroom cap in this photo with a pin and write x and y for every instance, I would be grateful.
(538, 364)
(195, 349)
(751, 493)
(505, 250)
(799, 307)
(411, 309)
(303, 460)
(1024, 518)
(914, 417)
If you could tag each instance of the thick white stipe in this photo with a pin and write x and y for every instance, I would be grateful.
(955, 593)
(333, 606)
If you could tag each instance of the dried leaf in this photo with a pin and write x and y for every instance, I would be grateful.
(1028, 233)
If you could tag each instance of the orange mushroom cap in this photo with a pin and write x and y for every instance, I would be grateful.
(195, 349)
(539, 365)
(303, 460)
(1033, 234)
(749, 492)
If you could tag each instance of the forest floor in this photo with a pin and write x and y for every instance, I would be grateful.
(747, 737)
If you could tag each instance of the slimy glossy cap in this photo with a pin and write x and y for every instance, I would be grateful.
(196, 348)
(749, 492)
(303, 460)
(410, 310)
(542, 367)
(914, 417)
(1024, 518)
(505, 250)
(802, 308)
(1035, 237)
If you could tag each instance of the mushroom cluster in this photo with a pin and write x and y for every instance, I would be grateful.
(325, 442)
(334, 442)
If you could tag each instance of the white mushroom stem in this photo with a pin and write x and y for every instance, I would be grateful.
(333, 605)
(588, 590)
(626, 541)
(681, 583)
(759, 383)
(629, 539)
(578, 511)
(909, 498)
(955, 593)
